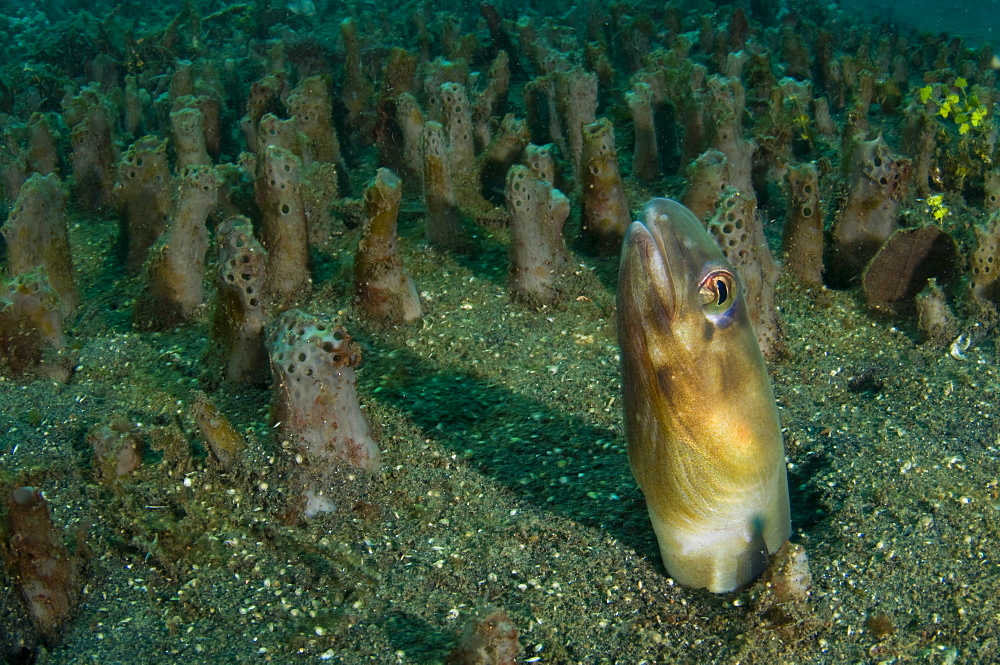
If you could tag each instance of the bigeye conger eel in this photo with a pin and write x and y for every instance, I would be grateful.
(702, 427)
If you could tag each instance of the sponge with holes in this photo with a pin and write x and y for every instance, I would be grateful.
(316, 402)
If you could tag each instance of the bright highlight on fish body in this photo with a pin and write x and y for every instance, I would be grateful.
(703, 434)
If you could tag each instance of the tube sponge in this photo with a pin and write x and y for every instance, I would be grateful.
(283, 226)
(934, 317)
(383, 290)
(985, 277)
(175, 269)
(645, 156)
(31, 328)
(263, 98)
(537, 250)
(137, 105)
(36, 236)
(187, 127)
(43, 150)
(708, 179)
(143, 196)
(315, 404)
(443, 226)
(312, 115)
(13, 172)
(45, 571)
(877, 181)
(605, 213)
(238, 329)
(410, 119)
(541, 160)
(456, 116)
(575, 93)
(739, 232)
(725, 106)
(802, 239)
(94, 151)
(991, 190)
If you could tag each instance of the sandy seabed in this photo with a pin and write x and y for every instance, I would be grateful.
(506, 485)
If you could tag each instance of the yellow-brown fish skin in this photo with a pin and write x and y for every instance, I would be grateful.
(704, 440)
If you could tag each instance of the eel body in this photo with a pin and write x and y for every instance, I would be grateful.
(704, 440)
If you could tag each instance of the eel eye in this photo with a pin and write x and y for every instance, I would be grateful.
(717, 291)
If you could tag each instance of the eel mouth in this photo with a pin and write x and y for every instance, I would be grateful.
(646, 277)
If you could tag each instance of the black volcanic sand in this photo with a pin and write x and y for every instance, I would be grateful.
(506, 485)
